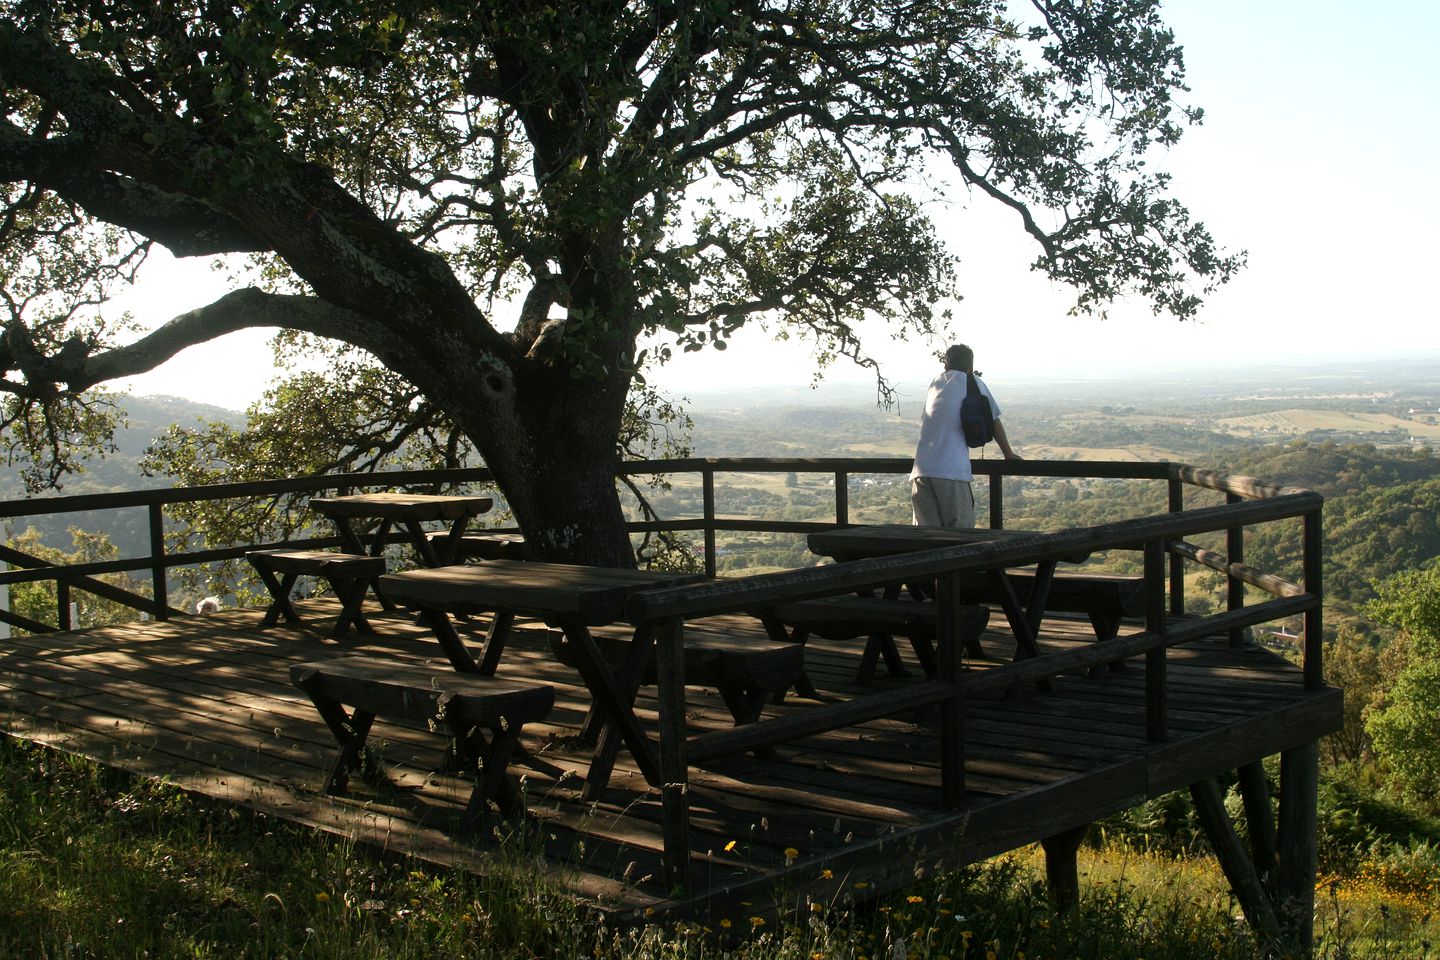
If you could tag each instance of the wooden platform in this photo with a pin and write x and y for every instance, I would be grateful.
(205, 702)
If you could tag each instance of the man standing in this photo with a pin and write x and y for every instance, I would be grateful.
(940, 479)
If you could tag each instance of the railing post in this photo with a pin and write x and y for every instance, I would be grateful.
(951, 660)
(707, 486)
(1177, 564)
(674, 768)
(1314, 568)
(157, 563)
(62, 605)
(1156, 707)
(997, 502)
(1235, 589)
(842, 498)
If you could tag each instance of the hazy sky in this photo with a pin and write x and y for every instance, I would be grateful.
(1317, 156)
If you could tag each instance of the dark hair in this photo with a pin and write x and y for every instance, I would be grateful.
(960, 357)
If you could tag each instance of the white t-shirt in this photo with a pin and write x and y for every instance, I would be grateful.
(941, 451)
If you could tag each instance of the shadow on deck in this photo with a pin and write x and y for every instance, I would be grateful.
(206, 703)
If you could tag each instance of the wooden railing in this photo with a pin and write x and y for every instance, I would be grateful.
(1179, 478)
(1250, 502)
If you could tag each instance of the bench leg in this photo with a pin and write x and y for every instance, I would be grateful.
(490, 761)
(776, 631)
(745, 706)
(279, 597)
(880, 644)
(1106, 624)
(351, 593)
(351, 752)
(349, 730)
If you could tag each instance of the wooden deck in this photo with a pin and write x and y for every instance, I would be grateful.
(205, 702)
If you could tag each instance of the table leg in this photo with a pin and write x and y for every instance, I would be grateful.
(610, 697)
(495, 640)
(1040, 593)
(351, 543)
(454, 646)
(607, 745)
(450, 546)
(1026, 630)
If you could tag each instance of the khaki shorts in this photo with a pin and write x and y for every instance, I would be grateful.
(942, 503)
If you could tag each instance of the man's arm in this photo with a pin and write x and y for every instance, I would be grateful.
(1004, 442)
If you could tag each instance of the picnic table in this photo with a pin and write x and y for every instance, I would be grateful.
(410, 511)
(1000, 584)
(566, 596)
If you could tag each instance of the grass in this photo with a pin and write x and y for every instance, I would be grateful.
(94, 863)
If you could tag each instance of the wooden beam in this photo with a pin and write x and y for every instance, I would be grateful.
(1255, 791)
(1062, 871)
(1299, 790)
(1237, 866)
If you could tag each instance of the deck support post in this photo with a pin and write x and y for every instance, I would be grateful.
(1236, 865)
(1062, 870)
(674, 770)
(1156, 707)
(1255, 791)
(950, 654)
(1298, 845)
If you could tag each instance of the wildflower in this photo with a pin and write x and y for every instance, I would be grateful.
(724, 923)
(791, 853)
(826, 874)
(862, 885)
(757, 921)
(322, 897)
(730, 846)
(914, 899)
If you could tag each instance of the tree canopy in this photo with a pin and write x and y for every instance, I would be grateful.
(514, 208)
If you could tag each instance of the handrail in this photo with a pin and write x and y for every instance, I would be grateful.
(1238, 489)
(729, 596)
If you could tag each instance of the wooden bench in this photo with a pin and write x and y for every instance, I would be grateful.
(349, 575)
(468, 705)
(482, 546)
(879, 618)
(747, 672)
(1105, 598)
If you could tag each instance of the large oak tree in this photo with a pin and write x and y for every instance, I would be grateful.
(626, 172)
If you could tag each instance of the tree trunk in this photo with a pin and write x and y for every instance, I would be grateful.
(549, 439)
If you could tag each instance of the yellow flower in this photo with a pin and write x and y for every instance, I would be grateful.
(914, 899)
(757, 921)
(791, 853)
(649, 911)
(862, 885)
(322, 897)
(730, 846)
(725, 923)
(826, 874)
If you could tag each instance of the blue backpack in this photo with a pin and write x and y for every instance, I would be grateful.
(976, 420)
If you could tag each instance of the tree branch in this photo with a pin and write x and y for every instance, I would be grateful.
(238, 310)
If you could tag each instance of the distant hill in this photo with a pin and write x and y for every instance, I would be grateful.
(148, 418)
